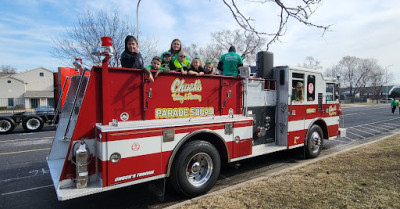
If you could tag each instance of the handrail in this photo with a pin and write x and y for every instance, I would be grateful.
(59, 103)
(75, 98)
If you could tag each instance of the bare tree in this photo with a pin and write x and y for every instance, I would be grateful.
(300, 10)
(375, 76)
(311, 63)
(247, 44)
(209, 53)
(8, 69)
(347, 67)
(86, 35)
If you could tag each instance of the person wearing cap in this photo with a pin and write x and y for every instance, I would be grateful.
(131, 57)
(230, 62)
(297, 93)
(209, 68)
(166, 59)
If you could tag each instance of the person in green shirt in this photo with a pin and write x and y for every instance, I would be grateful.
(394, 105)
(155, 65)
(297, 93)
(230, 62)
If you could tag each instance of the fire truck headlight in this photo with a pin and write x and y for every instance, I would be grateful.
(115, 157)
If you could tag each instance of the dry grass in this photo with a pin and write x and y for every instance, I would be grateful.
(367, 177)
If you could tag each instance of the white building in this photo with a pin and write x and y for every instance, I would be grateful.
(38, 88)
(12, 92)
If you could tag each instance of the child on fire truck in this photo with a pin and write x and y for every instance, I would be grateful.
(131, 57)
(156, 65)
(195, 67)
(209, 68)
(181, 64)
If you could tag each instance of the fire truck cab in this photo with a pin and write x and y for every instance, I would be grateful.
(116, 129)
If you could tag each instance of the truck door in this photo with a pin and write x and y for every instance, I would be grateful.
(281, 75)
(297, 109)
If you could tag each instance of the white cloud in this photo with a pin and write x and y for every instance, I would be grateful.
(366, 29)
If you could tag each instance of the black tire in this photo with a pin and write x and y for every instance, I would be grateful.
(314, 143)
(32, 123)
(195, 169)
(6, 125)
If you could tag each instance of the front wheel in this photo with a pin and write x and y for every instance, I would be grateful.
(32, 123)
(196, 168)
(314, 142)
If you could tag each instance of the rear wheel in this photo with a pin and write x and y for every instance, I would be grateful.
(314, 142)
(196, 168)
(6, 125)
(32, 123)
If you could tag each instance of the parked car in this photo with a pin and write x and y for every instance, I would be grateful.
(44, 109)
(389, 100)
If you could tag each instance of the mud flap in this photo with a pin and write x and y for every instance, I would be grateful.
(157, 187)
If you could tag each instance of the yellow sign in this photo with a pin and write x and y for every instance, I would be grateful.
(183, 112)
(332, 110)
(311, 110)
(182, 91)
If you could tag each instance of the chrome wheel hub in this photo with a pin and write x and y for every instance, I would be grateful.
(199, 169)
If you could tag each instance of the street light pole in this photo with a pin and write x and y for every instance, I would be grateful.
(387, 87)
(137, 21)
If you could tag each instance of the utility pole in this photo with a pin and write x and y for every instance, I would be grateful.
(387, 87)
(137, 21)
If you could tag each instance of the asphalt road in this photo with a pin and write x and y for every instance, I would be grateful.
(25, 180)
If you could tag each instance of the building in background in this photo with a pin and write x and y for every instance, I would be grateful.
(12, 92)
(29, 89)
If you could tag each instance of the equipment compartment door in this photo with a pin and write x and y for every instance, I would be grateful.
(140, 153)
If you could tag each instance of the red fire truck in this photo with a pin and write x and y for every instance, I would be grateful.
(116, 129)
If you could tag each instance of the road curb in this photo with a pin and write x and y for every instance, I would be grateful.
(285, 170)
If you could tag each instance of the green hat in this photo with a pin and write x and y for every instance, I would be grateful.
(299, 84)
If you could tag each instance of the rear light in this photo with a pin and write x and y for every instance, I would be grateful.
(340, 112)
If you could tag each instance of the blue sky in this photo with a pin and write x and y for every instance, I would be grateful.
(365, 29)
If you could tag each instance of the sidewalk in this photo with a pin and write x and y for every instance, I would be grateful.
(367, 176)
(362, 104)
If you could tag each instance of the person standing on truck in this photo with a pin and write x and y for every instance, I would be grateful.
(181, 64)
(176, 47)
(131, 57)
(394, 105)
(230, 62)
(297, 93)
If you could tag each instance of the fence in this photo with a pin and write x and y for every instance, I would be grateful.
(17, 105)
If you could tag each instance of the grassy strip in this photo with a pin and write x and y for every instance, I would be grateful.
(367, 177)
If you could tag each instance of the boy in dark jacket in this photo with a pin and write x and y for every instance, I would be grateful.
(131, 57)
